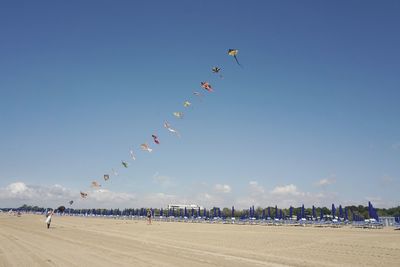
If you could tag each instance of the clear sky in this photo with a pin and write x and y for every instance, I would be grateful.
(312, 117)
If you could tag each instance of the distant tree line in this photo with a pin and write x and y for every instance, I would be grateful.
(258, 212)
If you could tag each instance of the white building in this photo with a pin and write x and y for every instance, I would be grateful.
(183, 206)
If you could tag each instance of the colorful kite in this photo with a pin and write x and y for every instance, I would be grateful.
(186, 104)
(169, 128)
(155, 138)
(206, 86)
(106, 177)
(179, 115)
(234, 52)
(84, 195)
(145, 147)
(95, 184)
(124, 163)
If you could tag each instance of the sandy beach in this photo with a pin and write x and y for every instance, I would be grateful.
(75, 241)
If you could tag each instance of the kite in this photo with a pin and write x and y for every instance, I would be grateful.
(179, 115)
(234, 52)
(71, 202)
(114, 172)
(186, 104)
(216, 70)
(198, 94)
(125, 164)
(206, 86)
(61, 209)
(145, 147)
(172, 130)
(132, 154)
(106, 177)
(155, 138)
(84, 195)
(95, 184)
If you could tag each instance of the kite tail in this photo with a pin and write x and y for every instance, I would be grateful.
(237, 61)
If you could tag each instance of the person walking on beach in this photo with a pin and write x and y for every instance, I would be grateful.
(148, 216)
(48, 219)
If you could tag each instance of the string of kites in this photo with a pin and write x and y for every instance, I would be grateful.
(179, 115)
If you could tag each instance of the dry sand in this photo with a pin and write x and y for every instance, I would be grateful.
(74, 241)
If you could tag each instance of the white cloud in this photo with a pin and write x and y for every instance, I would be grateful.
(326, 181)
(255, 188)
(19, 193)
(158, 200)
(107, 196)
(222, 188)
(17, 188)
(289, 189)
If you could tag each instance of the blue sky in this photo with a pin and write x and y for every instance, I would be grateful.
(312, 117)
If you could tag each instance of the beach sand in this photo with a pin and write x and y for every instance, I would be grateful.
(76, 241)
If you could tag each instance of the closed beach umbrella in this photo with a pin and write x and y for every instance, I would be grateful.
(333, 210)
(233, 211)
(314, 214)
